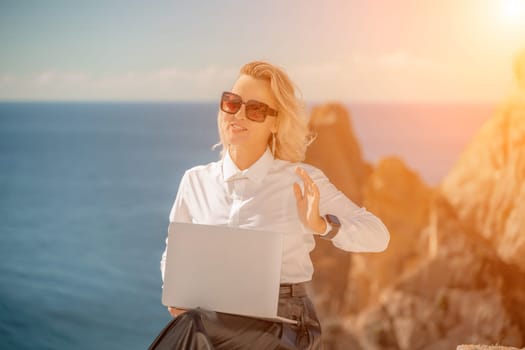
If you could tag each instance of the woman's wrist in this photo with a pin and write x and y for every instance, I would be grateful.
(320, 226)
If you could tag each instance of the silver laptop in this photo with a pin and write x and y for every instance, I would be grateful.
(224, 269)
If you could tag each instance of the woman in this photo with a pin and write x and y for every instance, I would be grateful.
(260, 183)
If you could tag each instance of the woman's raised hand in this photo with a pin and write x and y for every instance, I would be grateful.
(308, 203)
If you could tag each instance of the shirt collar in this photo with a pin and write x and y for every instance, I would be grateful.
(256, 172)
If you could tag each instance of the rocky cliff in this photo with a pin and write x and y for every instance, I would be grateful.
(337, 152)
(487, 185)
(454, 272)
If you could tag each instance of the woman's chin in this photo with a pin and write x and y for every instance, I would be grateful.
(245, 144)
(237, 139)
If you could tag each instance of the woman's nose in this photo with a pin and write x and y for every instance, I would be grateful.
(241, 113)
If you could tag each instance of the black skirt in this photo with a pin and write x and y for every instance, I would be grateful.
(204, 329)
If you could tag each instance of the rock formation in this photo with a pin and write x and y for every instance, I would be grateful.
(347, 170)
(399, 197)
(336, 150)
(390, 190)
(465, 292)
(454, 272)
(487, 185)
(448, 276)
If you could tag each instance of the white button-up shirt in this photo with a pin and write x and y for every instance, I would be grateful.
(262, 197)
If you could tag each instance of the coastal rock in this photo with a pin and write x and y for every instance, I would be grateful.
(336, 150)
(402, 200)
(454, 269)
(337, 153)
(463, 293)
(390, 190)
(519, 69)
(486, 187)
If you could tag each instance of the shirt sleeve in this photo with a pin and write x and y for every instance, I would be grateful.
(179, 213)
(361, 231)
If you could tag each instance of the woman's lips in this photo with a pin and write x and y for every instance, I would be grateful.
(237, 128)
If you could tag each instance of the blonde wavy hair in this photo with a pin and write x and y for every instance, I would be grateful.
(292, 136)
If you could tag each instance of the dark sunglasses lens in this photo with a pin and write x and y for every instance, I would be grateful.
(256, 111)
(230, 104)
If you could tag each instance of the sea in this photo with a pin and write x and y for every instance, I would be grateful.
(85, 193)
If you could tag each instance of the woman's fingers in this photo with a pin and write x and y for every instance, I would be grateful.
(297, 191)
(304, 176)
(306, 180)
(315, 189)
(309, 185)
(307, 201)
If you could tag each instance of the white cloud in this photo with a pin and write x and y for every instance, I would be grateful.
(6, 78)
(52, 77)
(396, 76)
(168, 83)
(45, 78)
(391, 76)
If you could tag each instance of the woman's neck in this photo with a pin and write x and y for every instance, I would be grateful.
(245, 157)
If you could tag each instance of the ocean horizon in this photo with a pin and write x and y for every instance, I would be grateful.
(383, 128)
(85, 192)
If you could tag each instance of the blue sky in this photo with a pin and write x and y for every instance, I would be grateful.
(180, 50)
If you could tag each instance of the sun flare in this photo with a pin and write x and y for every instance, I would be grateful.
(514, 11)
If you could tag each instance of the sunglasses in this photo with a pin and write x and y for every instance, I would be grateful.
(255, 110)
